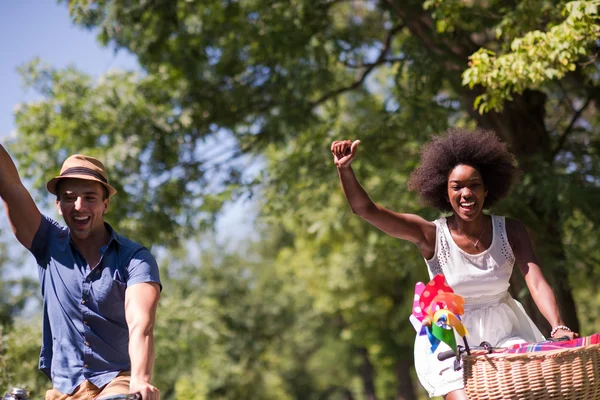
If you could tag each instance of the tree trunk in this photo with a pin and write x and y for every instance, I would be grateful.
(367, 374)
(521, 125)
(554, 262)
(348, 395)
(405, 389)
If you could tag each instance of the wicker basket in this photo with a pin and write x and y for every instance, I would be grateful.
(572, 373)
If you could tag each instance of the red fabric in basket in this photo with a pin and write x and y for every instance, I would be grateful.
(552, 345)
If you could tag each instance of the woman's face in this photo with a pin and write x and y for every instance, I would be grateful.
(466, 192)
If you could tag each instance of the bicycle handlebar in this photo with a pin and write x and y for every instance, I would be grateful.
(129, 396)
(486, 346)
(22, 394)
(444, 355)
(16, 394)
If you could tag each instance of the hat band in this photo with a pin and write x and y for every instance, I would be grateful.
(84, 171)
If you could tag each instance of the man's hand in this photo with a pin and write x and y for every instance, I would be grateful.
(344, 152)
(147, 391)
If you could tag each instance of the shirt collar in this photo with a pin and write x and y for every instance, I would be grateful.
(114, 236)
(65, 237)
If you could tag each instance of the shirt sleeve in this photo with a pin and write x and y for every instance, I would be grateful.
(40, 243)
(143, 268)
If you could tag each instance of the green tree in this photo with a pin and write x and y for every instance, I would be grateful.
(19, 356)
(284, 79)
(15, 289)
(265, 70)
(233, 325)
(19, 337)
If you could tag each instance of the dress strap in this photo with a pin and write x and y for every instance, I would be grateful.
(435, 265)
(502, 238)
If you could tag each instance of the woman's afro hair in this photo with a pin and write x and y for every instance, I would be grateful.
(480, 149)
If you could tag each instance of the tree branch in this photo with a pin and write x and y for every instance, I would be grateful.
(453, 52)
(563, 137)
(566, 95)
(591, 60)
(381, 59)
(567, 106)
(373, 64)
(329, 4)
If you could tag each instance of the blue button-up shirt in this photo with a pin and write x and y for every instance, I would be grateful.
(85, 333)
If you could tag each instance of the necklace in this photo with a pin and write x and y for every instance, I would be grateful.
(474, 243)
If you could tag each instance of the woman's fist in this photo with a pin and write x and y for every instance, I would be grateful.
(344, 152)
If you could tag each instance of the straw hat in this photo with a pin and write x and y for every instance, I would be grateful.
(82, 167)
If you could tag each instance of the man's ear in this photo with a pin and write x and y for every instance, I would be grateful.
(58, 207)
(106, 203)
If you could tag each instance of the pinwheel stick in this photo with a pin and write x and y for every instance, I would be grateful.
(467, 348)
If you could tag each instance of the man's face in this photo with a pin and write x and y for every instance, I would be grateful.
(83, 205)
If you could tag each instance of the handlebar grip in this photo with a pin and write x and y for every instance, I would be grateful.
(128, 396)
(444, 355)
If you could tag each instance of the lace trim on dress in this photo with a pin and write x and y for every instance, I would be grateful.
(505, 248)
(440, 258)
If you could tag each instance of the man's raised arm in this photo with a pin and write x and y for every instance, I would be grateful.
(22, 212)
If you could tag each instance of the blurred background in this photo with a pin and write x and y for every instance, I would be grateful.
(215, 117)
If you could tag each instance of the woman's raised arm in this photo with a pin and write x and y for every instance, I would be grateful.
(403, 226)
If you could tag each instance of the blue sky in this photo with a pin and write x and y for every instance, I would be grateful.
(42, 28)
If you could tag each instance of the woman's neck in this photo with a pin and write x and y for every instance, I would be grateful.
(470, 228)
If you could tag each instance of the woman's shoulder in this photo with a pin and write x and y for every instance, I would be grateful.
(516, 231)
(514, 225)
(440, 221)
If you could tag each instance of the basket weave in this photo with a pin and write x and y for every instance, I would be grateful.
(572, 374)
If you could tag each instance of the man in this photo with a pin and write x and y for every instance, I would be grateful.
(100, 290)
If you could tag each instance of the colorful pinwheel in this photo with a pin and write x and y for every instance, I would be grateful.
(436, 311)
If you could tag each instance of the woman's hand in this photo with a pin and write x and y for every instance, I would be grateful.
(563, 332)
(344, 152)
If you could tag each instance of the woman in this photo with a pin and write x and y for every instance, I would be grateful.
(463, 172)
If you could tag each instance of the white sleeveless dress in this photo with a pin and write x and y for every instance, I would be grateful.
(491, 314)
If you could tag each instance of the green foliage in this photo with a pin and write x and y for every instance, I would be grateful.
(501, 19)
(356, 275)
(19, 355)
(16, 290)
(235, 326)
(588, 301)
(536, 58)
(244, 98)
(125, 119)
(231, 61)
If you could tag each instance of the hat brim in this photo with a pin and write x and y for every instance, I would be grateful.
(51, 185)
